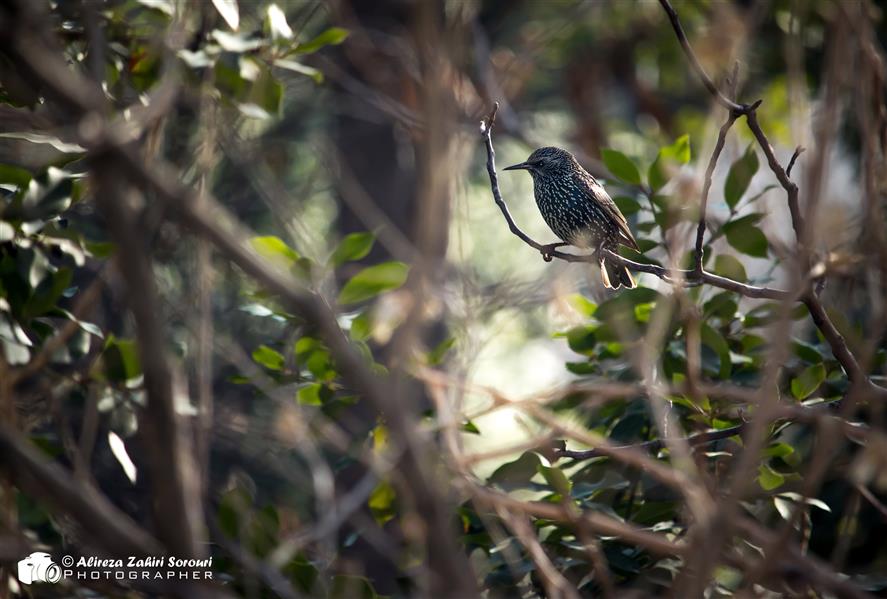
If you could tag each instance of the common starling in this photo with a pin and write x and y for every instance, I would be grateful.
(579, 210)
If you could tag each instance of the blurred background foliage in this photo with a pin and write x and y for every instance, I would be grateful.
(345, 135)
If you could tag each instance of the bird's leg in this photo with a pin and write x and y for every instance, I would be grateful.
(548, 248)
(599, 252)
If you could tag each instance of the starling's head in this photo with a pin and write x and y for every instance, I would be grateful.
(548, 162)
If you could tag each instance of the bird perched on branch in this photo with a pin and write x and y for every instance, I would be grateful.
(579, 211)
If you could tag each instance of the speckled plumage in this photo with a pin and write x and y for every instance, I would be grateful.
(578, 209)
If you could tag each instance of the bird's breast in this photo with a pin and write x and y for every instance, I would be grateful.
(571, 214)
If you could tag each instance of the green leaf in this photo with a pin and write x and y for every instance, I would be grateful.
(48, 194)
(679, 150)
(15, 175)
(768, 478)
(582, 304)
(808, 381)
(621, 166)
(331, 37)
(229, 12)
(714, 340)
(361, 327)
(669, 157)
(33, 265)
(627, 206)
(779, 450)
(730, 267)
(274, 249)
(7, 231)
(121, 359)
(39, 138)
(15, 349)
(298, 67)
(517, 473)
(269, 358)
(381, 502)
(744, 235)
(740, 175)
(353, 247)
(436, 355)
(277, 25)
(235, 42)
(310, 395)
(372, 281)
(469, 427)
(266, 92)
(556, 479)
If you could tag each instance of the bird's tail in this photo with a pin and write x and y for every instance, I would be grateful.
(615, 275)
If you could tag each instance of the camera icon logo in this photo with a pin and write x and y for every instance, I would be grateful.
(38, 567)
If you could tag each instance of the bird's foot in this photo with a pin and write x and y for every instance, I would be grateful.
(549, 248)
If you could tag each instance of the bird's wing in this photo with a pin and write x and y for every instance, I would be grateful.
(610, 207)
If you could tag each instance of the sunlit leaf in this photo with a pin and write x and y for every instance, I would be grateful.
(229, 11)
(372, 281)
(331, 37)
(556, 479)
(274, 249)
(277, 24)
(381, 502)
(268, 357)
(768, 478)
(7, 231)
(40, 138)
(118, 449)
(298, 67)
(353, 247)
(667, 161)
(309, 395)
(235, 42)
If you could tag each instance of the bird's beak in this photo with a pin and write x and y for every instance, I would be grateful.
(517, 167)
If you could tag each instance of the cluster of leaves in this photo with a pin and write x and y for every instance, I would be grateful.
(733, 349)
(52, 247)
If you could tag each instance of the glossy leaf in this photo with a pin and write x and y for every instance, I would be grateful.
(277, 25)
(274, 249)
(353, 247)
(229, 11)
(268, 357)
(331, 37)
(372, 281)
(768, 478)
